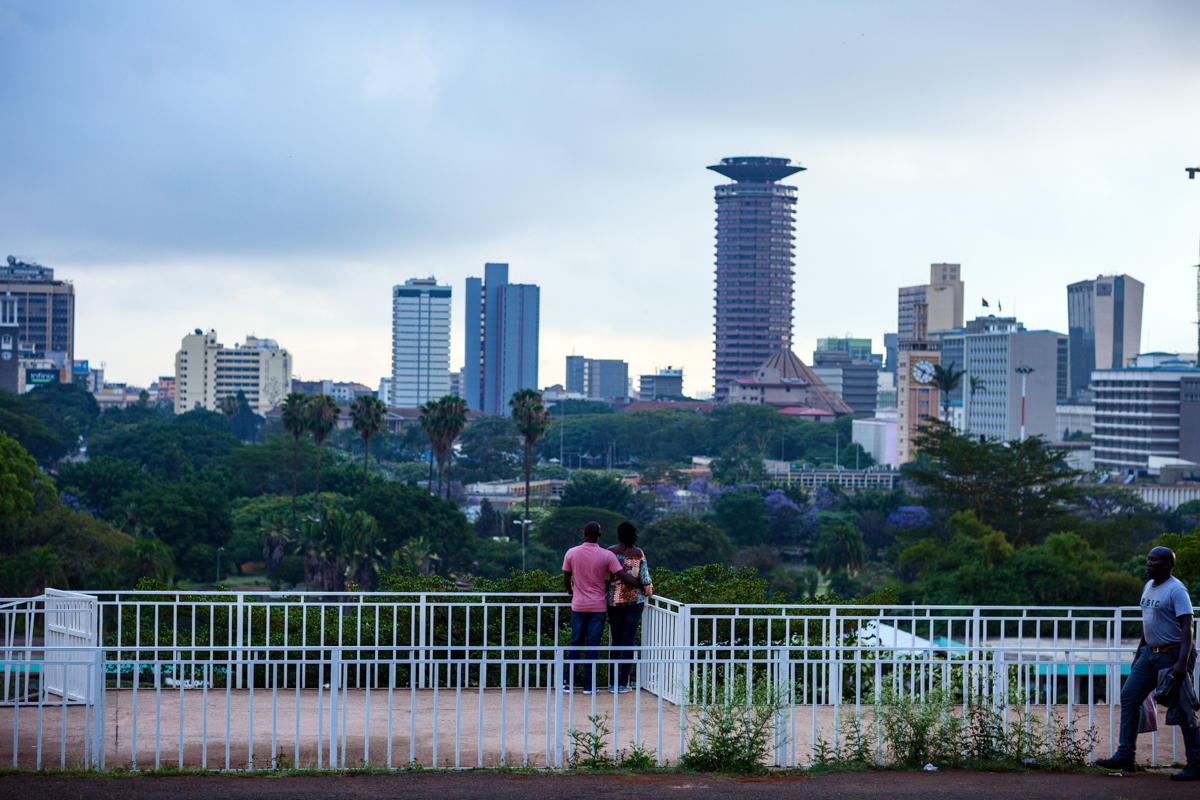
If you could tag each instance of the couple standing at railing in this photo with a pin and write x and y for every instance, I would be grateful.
(613, 583)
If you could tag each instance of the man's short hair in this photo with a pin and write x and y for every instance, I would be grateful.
(1166, 553)
(591, 529)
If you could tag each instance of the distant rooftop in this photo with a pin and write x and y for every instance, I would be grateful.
(16, 268)
(756, 169)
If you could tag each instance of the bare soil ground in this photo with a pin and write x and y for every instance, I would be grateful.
(501, 786)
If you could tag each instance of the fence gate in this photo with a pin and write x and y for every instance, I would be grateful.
(70, 619)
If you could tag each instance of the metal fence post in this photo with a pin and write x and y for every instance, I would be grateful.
(95, 704)
(240, 633)
(421, 631)
(559, 680)
(683, 664)
(335, 668)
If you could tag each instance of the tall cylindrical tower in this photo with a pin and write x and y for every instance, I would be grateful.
(755, 240)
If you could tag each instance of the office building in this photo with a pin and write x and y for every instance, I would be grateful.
(1143, 413)
(1104, 323)
(597, 378)
(501, 339)
(784, 381)
(46, 312)
(891, 350)
(206, 372)
(877, 435)
(420, 342)
(990, 349)
(755, 242)
(932, 307)
(854, 380)
(663, 384)
(345, 392)
(857, 349)
(10, 334)
(576, 375)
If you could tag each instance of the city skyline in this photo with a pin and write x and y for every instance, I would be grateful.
(276, 179)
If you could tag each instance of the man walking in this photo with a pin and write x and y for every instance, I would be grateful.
(1166, 644)
(585, 577)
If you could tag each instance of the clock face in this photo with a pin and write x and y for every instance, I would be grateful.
(922, 371)
(7, 356)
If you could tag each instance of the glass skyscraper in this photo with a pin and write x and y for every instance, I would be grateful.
(755, 241)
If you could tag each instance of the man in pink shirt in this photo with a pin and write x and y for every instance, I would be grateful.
(585, 577)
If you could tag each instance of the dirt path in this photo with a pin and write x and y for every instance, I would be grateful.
(492, 786)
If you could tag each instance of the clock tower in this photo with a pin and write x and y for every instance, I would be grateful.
(9, 335)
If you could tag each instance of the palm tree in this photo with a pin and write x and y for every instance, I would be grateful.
(323, 413)
(430, 422)
(532, 420)
(147, 558)
(229, 406)
(366, 415)
(42, 568)
(977, 385)
(295, 421)
(840, 545)
(946, 379)
(452, 418)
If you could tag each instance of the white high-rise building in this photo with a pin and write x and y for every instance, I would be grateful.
(420, 342)
(206, 372)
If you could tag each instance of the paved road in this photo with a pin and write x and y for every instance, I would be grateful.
(484, 786)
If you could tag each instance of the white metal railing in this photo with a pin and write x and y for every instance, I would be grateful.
(222, 680)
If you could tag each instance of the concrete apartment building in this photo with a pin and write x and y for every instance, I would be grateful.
(1104, 323)
(45, 314)
(664, 383)
(1145, 412)
(206, 371)
(991, 350)
(754, 267)
(502, 324)
(923, 312)
(420, 342)
(858, 349)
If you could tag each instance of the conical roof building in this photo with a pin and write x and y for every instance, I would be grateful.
(783, 381)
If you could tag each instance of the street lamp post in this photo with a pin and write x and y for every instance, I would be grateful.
(1023, 371)
(524, 536)
(219, 551)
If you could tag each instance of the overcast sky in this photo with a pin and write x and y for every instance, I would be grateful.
(275, 168)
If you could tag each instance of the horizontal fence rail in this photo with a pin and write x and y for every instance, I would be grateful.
(218, 680)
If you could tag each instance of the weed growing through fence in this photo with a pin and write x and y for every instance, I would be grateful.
(990, 734)
(638, 758)
(734, 723)
(589, 750)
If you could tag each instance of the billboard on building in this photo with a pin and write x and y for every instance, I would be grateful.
(38, 377)
(80, 367)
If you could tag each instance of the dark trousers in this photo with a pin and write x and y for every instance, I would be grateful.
(587, 627)
(1143, 677)
(623, 621)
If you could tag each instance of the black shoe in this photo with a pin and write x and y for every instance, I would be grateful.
(1188, 773)
(1119, 762)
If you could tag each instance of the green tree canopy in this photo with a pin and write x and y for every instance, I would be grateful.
(678, 543)
(597, 490)
(743, 517)
(563, 528)
(406, 512)
(22, 484)
(1013, 486)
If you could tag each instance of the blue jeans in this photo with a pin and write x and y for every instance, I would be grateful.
(623, 623)
(1140, 683)
(586, 629)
